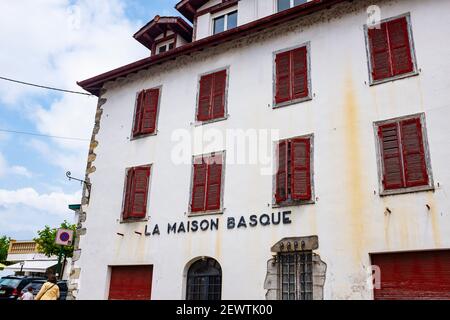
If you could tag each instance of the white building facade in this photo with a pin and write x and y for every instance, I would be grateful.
(332, 142)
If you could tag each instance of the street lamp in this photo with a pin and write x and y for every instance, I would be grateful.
(22, 263)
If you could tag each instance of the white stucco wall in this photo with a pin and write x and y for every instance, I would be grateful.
(348, 216)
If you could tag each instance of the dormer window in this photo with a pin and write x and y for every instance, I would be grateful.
(287, 4)
(225, 22)
(165, 47)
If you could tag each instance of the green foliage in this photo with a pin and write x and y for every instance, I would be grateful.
(46, 241)
(4, 246)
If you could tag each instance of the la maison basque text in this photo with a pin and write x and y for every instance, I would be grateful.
(213, 224)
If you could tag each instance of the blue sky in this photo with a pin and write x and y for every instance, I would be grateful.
(56, 43)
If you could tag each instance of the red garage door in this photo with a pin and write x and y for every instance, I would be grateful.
(131, 283)
(413, 275)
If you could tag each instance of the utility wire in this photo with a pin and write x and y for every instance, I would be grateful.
(42, 135)
(45, 87)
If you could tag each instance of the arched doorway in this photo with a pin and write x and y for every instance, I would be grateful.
(204, 280)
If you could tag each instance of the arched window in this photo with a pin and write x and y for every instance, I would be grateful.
(204, 280)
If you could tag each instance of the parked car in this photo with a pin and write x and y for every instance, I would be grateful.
(11, 286)
(36, 284)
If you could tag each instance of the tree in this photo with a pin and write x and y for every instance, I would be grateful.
(4, 247)
(46, 241)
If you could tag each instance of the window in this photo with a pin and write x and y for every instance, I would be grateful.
(207, 183)
(296, 275)
(292, 80)
(211, 100)
(404, 160)
(136, 193)
(146, 112)
(225, 22)
(390, 50)
(166, 47)
(204, 280)
(294, 175)
(286, 4)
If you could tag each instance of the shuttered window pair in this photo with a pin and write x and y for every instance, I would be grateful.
(136, 193)
(211, 99)
(291, 75)
(390, 50)
(146, 112)
(207, 183)
(403, 154)
(293, 178)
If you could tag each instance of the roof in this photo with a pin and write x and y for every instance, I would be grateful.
(32, 266)
(188, 8)
(147, 34)
(95, 84)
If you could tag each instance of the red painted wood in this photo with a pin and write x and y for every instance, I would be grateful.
(131, 283)
(399, 46)
(139, 192)
(128, 190)
(204, 98)
(149, 111)
(301, 169)
(211, 102)
(283, 77)
(413, 153)
(138, 113)
(380, 55)
(198, 197)
(392, 156)
(281, 178)
(299, 73)
(214, 183)
(413, 275)
(218, 95)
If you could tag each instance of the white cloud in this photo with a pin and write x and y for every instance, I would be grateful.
(54, 203)
(6, 169)
(21, 171)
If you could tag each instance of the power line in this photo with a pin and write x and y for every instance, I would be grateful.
(42, 135)
(46, 87)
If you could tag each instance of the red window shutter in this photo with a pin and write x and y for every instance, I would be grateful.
(299, 73)
(379, 51)
(392, 156)
(128, 194)
(218, 98)
(400, 46)
(413, 153)
(139, 192)
(281, 178)
(138, 113)
(301, 169)
(199, 187)
(204, 99)
(214, 184)
(283, 78)
(149, 111)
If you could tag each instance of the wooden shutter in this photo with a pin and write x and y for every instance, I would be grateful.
(199, 187)
(139, 192)
(149, 111)
(379, 51)
(413, 153)
(392, 156)
(281, 178)
(283, 79)
(138, 113)
(214, 184)
(218, 96)
(301, 169)
(400, 47)
(204, 99)
(128, 194)
(299, 73)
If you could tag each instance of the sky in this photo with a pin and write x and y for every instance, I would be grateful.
(56, 43)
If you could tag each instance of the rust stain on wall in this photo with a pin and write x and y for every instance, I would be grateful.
(355, 197)
(433, 216)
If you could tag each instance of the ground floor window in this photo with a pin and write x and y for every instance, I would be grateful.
(296, 276)
(204, 280)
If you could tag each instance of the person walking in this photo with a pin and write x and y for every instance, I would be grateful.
(49, 290)
(28, 295)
